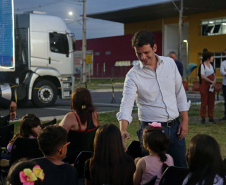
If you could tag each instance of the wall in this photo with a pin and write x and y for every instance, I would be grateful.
(196, 43)
(107, 51)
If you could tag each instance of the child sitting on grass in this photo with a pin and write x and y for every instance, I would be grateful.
(30, 127)
(53, 144)
(156, 142)
(25, 172)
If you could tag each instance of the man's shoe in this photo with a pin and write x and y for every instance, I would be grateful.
(203, 121)
(224, 118)
(211, 120)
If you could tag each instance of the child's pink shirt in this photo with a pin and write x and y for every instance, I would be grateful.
(154, 167)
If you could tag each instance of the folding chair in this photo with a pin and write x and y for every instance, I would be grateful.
(80, 162)
(49, 123)
(79, 141)
(25, 148)
(6, 134)
(4, 120)
(134, 149)
(151, 181)
(173, 175)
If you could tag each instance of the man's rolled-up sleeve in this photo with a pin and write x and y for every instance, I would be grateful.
(127, 103)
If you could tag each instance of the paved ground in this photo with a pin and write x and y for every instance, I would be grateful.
(102, 99)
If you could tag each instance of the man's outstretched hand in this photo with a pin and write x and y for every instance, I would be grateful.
(125, 135)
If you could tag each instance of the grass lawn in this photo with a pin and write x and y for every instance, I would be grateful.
(218, 131)
(101, 83)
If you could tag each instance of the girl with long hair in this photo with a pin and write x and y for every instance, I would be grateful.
(109, 163)
(30, 127)
(83, 116)
(205, 162)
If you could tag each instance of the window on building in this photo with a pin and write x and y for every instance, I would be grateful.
(214, 26)
(107, 53)
(97, 69)
(59, 43)
(218, 58)
(122, 63)
(97, 53)
(104, 67)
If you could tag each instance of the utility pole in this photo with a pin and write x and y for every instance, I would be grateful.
(84, 43)
(181, 28)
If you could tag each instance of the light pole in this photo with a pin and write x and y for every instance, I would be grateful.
(84, 43)
(186, 48)
(186, 63)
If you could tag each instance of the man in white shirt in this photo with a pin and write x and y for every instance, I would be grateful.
(223, 73)
(157, 86)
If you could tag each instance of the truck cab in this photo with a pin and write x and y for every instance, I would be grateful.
(44, 59)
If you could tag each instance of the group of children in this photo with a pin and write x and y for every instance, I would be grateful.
(52, 142)
(110, 164)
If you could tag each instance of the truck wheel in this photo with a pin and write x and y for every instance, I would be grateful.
(44, 93)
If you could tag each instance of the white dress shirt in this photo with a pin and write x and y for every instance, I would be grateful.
(223, 71)
(159, 95)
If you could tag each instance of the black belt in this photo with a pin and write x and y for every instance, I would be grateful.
(164, 124)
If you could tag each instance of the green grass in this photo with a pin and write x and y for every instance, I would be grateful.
(217, 131)
(101, 83)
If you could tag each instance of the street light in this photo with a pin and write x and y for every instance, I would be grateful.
(70, 13)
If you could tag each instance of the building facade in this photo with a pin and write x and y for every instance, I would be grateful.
(112, 57)
(204, 26)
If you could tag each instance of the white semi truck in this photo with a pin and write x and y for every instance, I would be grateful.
(36, 56)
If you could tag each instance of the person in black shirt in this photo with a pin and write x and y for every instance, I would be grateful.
(53, 144)
(5, 103)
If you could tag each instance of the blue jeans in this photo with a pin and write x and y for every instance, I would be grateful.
(177, 148)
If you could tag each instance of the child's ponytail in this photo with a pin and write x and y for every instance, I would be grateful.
(163, 158)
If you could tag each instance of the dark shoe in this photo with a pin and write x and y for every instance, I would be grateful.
(211, 120)
(203, 121)
(224, 118)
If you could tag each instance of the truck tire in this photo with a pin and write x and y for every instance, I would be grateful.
(44, 93)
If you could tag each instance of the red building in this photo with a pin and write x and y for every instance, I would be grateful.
(114, 56)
